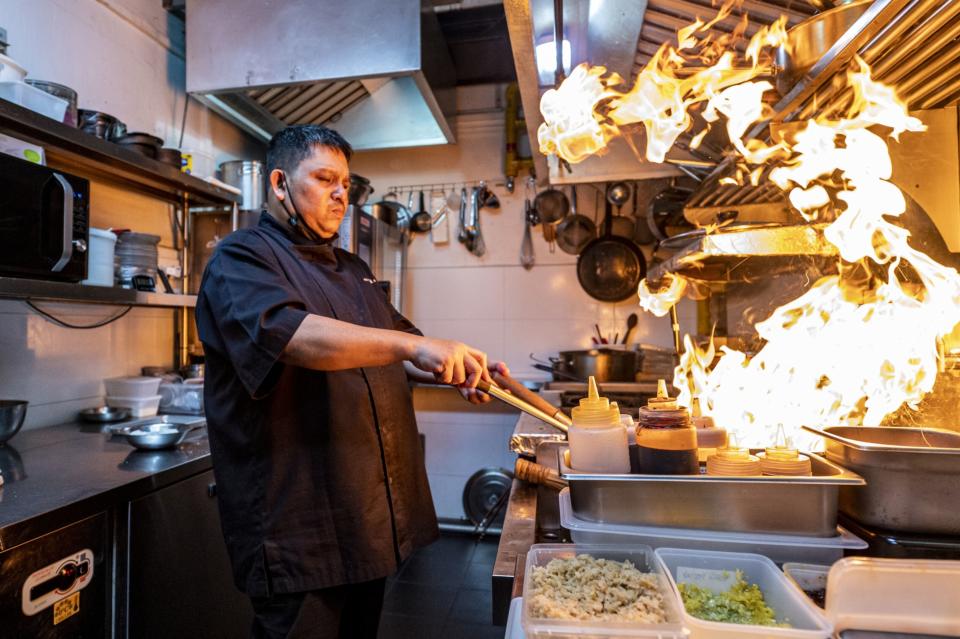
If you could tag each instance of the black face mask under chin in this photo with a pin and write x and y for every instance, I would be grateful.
(294, 218)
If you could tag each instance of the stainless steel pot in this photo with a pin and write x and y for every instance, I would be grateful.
(913, 476)
(812, 38)
(605, 364)
(248, 176)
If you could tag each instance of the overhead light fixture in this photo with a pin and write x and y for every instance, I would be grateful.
(546, 55)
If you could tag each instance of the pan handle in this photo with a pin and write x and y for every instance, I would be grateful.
(516, 402)
(527, 395)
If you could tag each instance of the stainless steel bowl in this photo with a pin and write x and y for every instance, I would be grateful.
(104, 414)
(156, 435)
(12, 414)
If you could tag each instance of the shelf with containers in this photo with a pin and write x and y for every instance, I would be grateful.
(77, 152)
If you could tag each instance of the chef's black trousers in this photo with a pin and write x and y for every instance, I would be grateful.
(351, 611)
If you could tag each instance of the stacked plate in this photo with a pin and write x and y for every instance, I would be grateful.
(136, 254)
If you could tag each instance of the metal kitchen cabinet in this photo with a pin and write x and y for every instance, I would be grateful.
(179, 579)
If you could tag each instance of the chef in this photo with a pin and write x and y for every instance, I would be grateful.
(320, 474)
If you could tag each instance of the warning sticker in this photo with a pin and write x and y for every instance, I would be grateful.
(66, 608)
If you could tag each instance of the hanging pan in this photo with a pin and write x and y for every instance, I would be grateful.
(575, 231)
(610, 267)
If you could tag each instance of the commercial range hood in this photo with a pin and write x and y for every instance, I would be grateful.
(380, 75)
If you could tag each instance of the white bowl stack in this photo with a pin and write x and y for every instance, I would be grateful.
(138, 394)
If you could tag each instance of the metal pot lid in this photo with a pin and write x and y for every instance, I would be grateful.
(483, 491)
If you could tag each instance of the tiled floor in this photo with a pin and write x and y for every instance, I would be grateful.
(443, 591)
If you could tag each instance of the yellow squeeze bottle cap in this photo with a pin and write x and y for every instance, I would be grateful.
(595, 410)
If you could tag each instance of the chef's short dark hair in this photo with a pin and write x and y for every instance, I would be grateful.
(292, 145)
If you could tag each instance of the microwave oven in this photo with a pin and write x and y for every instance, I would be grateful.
(44, 222)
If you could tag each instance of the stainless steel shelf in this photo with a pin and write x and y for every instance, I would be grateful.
(45, 291)
(748, 254)
(80, 152)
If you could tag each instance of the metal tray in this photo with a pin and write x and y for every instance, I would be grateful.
(912, 475)
(777, 505)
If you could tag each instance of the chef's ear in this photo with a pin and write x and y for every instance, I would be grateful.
(278, 184)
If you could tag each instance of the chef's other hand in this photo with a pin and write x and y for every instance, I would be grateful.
(475, 396)
(451, 362)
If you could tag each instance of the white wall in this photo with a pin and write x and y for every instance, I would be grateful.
(124, 57)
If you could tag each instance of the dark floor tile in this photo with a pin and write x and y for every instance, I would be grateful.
(472, 606)
(433, 570)
(459, 630)
(486, 552)
(401, 627)
(450, 547)
(417, 600)
(478, 576)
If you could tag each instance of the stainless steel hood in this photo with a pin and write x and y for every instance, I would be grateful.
(621, 35)
(379, 73)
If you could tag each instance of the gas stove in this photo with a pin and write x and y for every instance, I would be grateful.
(629, 395)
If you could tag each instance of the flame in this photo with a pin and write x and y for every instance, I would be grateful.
(587, 111)
(660, 302)
(855, 347)
(852, 349)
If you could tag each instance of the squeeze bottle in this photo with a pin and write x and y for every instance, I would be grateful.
(598, 439)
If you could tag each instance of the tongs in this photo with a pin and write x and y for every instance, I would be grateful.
(526, 400)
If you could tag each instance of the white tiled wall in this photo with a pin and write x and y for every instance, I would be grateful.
(490, 302)
(60, 370)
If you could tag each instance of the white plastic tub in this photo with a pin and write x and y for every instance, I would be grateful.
(642, 558)
(100, 258)
(34, 99)
(919, 596)
(139, 406)
(789, 604)
(132, 386)
(779, 548)
(182, 398)
(10, 70)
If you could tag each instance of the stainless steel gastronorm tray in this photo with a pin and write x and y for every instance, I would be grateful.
(786, 505)
(913, 476)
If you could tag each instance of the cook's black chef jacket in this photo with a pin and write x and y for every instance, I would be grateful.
(320, 474)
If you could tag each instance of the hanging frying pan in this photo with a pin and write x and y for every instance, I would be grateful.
(610, 267)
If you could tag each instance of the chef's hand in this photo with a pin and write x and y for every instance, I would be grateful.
(475, 396)
(451, 362)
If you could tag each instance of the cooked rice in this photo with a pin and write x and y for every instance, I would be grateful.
(596, 590)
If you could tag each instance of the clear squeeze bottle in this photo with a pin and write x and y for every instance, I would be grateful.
(598, 439)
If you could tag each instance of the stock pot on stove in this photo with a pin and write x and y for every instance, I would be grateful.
(605, 364)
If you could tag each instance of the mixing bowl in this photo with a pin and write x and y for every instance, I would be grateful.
(12, 413)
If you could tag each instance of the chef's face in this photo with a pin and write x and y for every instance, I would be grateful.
(317, 187)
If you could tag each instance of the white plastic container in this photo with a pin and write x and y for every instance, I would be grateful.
(139, 406)
(100, 258)
(779, 548)
(182, 399)
(34, 99)
(514, 628)
(920, 596)
(10, 70)
(708, 568)
(642, 558)
(136, 387)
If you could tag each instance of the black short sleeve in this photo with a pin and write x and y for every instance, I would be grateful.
(248, 310)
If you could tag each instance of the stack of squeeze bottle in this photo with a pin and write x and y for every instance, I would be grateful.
(666, 438)
(733, 461)
(598, 439)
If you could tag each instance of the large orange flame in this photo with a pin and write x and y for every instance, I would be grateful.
(856, 346)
